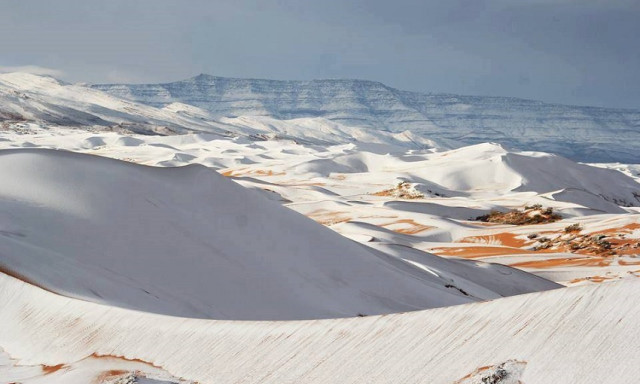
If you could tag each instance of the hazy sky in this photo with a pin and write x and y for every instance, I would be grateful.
(576, 52)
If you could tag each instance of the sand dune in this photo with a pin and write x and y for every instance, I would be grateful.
(548, 332)
(190, 242)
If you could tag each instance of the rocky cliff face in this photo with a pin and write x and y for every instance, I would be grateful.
(581, 133)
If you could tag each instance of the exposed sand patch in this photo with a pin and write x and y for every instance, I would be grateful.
(412, 228)
(564, 262)
(326, 217)
(472, 252)
(49, 369)
(624, 262)
(95, 369)
(506, 238)
(629, 228)
(302, 184)
(251, 172)
(130, 360)
(601, 244)
(592, 279)
(110, 375)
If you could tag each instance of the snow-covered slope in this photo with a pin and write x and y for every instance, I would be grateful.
(325, 112)
(484, 170)
(344, 186)
(96, 252)
(490, 168)
(586, 334)
(28, 98)
(581, 133)
(187, 241)
(43, 99)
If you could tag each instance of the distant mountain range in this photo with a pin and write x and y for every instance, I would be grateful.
(325, 112)
(582, 133)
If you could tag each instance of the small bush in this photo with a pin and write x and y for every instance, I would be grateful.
(573, 228)
(402, 190)
(526, 217)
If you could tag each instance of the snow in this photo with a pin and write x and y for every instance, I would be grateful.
(573, 335)
(580, 133)
(325, 112)
(187, 241)
(336, 186)
(33, 98)
(127, 256)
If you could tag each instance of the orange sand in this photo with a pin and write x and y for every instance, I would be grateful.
(412, 230)
(479, 251)
(564, 262)
(48, 369)
(507, 239)
(326, 217)
(252, 172)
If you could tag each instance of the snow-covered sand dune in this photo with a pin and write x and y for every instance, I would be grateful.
(188, 241)
(586, 334)
(347, 186)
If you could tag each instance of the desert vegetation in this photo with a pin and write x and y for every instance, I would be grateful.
(403, 190)
(573, 228)
(534, 214)
(592, 244)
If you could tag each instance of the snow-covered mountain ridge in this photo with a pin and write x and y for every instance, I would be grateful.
(324, 112)
(580, 133)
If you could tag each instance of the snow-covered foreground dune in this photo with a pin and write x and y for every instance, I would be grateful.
(190, 242)
(587, 334)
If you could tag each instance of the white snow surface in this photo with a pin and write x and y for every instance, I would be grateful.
(324, 112)
(581, 133)
(574, 335)
(31, 98)
(336, 186)
(187, 241)
(141, 258)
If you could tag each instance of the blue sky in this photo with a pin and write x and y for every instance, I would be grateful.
(574, 52)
